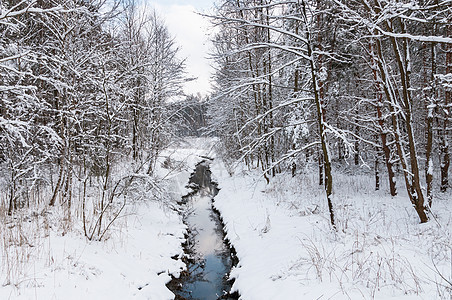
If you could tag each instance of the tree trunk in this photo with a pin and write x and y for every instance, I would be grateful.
(444, 147)
(356, 153)
(356, 146)
(392, 95)
(270, 97)
(12, 196)
(320, 121)
(403, 62)
(68, 190)
(377, 173)
(320, 159)
(428, 156)
(429, 145)
(384, 134)
(58, 184)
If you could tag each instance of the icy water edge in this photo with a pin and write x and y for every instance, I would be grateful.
(210, 258)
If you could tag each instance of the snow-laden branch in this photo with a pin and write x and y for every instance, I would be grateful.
(419, 38)
(14, 12)
(355, 17)
(289, 155)
(260, 117)
(291, 49)
(251, 24)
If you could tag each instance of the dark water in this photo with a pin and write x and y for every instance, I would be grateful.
(210, 258)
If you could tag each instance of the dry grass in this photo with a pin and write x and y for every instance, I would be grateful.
(380, 247)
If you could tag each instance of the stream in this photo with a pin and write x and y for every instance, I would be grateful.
(210, 259)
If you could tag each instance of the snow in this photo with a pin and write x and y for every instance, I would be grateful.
(280, 231)
(69, 267)
(287, 249)
(430, 167)
(135, 262)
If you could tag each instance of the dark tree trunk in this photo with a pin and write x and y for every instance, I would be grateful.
(320, 121)
(411, 177)
(377, 172)
(444, 147)
(320, 159)
(356, 153)
(384, 134)
(429, 145)
(58, 184)
(428, 156)
(403, 63)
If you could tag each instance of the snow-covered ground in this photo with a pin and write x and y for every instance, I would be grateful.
(41, 259)
(281, 232)
(287, 249)
(134, 263)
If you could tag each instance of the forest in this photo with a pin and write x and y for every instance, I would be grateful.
(92, 101)
(362, 82)
(84, 85)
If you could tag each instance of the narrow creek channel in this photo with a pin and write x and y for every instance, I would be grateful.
(210, 259)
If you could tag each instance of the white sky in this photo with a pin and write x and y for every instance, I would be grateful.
(190, 32)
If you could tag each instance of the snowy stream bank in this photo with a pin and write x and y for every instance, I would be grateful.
(280, 232)
(287, 249)
(209, 258)
(136, 261)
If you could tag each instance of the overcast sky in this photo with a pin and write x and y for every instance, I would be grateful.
(190, 32)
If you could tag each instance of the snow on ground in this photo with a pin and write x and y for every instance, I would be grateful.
(281, 233)
(182, 158)
(134, 263)
(43, 260)
(287, 250)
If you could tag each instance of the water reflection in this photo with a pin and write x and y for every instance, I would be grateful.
(202, 221)
(210, 259)
(211, 256)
